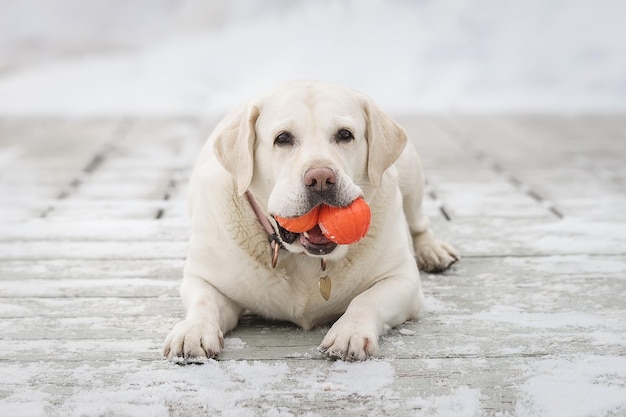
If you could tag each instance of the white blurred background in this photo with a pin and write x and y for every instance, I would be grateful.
(197, 57)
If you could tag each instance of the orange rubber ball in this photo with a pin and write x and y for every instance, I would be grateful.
(300, 224)
(345, 225)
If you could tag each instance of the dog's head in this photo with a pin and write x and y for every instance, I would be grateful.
(305, 144)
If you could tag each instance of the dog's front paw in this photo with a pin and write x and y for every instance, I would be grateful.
(190, 340)
(435, 256)
(347, 340)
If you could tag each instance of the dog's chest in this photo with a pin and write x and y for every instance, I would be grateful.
(295, 290)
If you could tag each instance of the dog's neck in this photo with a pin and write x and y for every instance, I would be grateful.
(259, 214)
(275, 243)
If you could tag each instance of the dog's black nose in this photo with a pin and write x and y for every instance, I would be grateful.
(320, 179)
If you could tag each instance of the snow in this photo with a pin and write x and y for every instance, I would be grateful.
(456, 55)
(570, 319)
(223, 388)
(234, 343)
(589, 386)
(583, 237)
(364, 378)
(27, 403)
(461, 402)
(434, 305)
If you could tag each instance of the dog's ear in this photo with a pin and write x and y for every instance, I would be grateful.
(234, 144)
(385, 141)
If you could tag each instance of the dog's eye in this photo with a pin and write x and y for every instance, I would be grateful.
(283, 139)
(344, 135)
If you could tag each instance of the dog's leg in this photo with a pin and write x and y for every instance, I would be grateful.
(209, 316)
(432, 255)
(386, 304)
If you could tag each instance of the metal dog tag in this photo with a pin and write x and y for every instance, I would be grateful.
(325, 287)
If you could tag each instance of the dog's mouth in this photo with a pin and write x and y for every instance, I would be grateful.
(313, 241)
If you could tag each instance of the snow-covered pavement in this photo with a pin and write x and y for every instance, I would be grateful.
(530, 323)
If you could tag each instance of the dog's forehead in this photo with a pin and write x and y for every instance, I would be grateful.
(317, 103)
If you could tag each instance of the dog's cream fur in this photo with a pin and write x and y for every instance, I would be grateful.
(375, 282)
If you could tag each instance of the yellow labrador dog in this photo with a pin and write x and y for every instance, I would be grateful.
(304, 144)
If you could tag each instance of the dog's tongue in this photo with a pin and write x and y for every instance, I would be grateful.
(317, 237)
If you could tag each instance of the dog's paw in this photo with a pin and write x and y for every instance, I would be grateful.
(193, 341)
(435, 256)
(348, 341)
